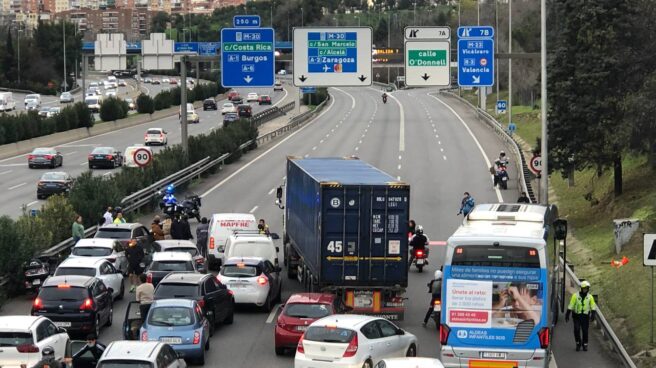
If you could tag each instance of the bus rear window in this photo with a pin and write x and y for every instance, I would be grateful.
(499, 256)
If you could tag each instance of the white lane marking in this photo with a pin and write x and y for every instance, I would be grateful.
(399, 167)
(360, 141)
(441, 149)
(478, 144)
(253, 209)
(5, 172)
(273, 313)
(439, 142)
(398, 178)
(271, 191)
(245, 166)
(357, 148)
(11, 165)
(17, 186)
(321, 141)
(31, 203)
(400, 157)
(306, 156)
(282, 99)
(350, 95)
(314, 148)
(84, 163)
(401, 124)
(70, 153)
(444, 157)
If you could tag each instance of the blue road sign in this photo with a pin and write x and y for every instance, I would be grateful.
(247, 21)
(208, 48)
(332, 52)
(475, 57)
(501, 106)
(185, 47)
(247, 57)
(476, 32)
(307, 90)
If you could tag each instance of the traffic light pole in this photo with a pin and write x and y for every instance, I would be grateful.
(183, 107)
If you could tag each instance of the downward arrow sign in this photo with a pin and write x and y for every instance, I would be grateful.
(476, 79)
(425, 76)
(362, 78)
(248, 79)
(303, 78)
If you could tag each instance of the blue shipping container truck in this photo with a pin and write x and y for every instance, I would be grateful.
(346, 225)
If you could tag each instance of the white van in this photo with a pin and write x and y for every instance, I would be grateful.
(7, 102)
(222, 225)
(33, 99)
(251, 244)
(93, 103)
(128, 156)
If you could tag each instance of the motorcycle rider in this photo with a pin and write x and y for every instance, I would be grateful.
(499, 163)
(384, 97)
(435, 289)
(48, 359)
(418, 242)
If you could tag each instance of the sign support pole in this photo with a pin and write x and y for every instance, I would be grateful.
(651, 325)
(138, 75)
(85, 66)
(183, 107)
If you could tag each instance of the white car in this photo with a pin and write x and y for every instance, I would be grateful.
(22, 338)
(250, 244)
(409, 363)
(53, 111)
(95, 267)
(350, 340)
(33, 100)
(228, 107)
(252, 97)
(109, 249)
(140, 354)
(252, 280)
(277, 86)
(122, 83)
(156, 136)
(166, 80)
(110, 93)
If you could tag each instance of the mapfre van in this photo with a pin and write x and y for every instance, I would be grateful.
(222, 225)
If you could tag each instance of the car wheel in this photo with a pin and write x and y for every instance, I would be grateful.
(212, 322)
(201, 360)
(97, 326)
(90, 166)
(367, 364)
(207, 345)
(230, 318)
(280, 351)
(268, 304)
(412, 351)
(30, 166)
(110, 319)
(121, 293)
(53, 164)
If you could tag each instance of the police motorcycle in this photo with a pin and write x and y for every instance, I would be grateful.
(35, 272)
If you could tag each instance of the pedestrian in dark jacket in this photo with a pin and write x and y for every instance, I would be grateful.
(201, 235)
(186, 228)
(93, 346)
(177, 229)
(135, 256)
(523, 198)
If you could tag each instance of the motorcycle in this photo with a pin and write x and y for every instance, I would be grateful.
(437, 311)
(384, 99)
(191, 206)
(421, 258)
(502, 177)
(35, 272)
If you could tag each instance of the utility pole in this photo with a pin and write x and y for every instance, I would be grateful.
(302, 17)
(496, 42)
(18, 60)
(389, 37)
(544, 180)
(414, 15)
(271, 23)
(64, 40)
(183, 107)
(509, 62)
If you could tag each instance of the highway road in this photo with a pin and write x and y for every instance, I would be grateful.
(18, 182)
(427, 141)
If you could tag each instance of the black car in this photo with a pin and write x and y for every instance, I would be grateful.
(214, 297)
(81, 304)
(163, 263)
(209, 104)
(236, 100)
(108, 157)
(45, 157)
(245, 111)
(56, 182)
(230, 118)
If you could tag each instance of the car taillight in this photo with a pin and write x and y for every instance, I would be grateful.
(40, 183)
(30, 157)
(544, 336)
(299, 347)
(231, 292)
(38, 303)
(211, 242)
(146, 136)
(49, 157)
(90, 157)
(87, 305)
(27, 348)
(352, 347)
(201, 303)
(262, 280)
(109, 157)
(161, 136)
(437, 302)
(149, 278)
(444, 334)
(196, 338)
(144, 336)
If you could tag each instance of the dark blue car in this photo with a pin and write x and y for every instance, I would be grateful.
(229, 118)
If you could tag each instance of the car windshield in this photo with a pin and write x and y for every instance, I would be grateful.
(43, 151)
(171, 316)
(15, 338)
(192, 251)
(265, 97)
(329, 334)
(300, 310)
(91, 251)
(91, 100)
(53, 176)
(171, 266)
(171, 290)
(32, 97)
(75, 271)
(62, 293)
(228, 105)
(113, 233)
(124, 364)
(239, 270)
(154, 131)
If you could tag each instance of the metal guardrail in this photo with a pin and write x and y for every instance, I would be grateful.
(293, 122)
(524, 175)
(272, 113)
(603, 324)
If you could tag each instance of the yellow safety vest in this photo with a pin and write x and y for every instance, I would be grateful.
(580, 305)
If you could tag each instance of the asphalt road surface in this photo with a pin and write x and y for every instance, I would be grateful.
(441, 151)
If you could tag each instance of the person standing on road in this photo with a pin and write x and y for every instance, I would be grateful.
(523, 198)
(77, 229)
(263, 228)
(166, 227)
(109, 219)
(135, 255)
(583, 308)
(466, 204)
(145, 295)
(93, 346)
(156, 229)
(177, 229)
(201, 235)
(186, 228)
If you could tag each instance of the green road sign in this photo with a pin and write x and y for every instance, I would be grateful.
(423, 58)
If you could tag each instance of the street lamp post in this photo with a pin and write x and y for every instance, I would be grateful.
(414, 14)
(18, 59)
(64, 42)
(302, 17)
(544, 181)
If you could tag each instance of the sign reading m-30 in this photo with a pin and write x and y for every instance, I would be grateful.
(332, 56)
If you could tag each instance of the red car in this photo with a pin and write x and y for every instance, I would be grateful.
(299, 312)
(264, 100)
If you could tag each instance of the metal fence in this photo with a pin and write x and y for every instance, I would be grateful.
(272, 113)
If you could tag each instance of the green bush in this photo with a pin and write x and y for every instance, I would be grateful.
(163, 100)
(84, 115)
(91, 194)
(317, 98)
(113, 109)
(145, 104)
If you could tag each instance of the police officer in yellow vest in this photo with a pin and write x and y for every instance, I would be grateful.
(583, 307)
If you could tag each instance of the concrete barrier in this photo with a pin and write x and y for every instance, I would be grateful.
(56, 139)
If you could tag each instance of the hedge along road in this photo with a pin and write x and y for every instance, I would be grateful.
(18, 182)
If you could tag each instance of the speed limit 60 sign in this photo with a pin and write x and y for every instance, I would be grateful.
(535, 164)
(142, 157)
